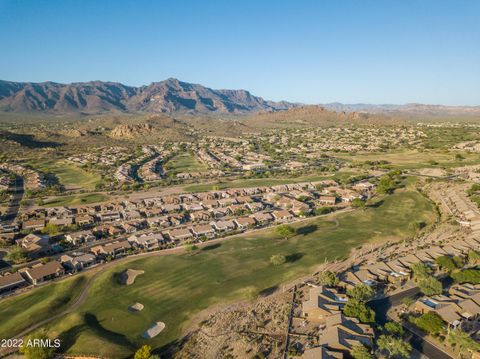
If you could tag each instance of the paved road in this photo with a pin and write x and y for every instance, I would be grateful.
(381, 307)
(16, 189)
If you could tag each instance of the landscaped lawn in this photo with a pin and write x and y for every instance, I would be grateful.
(76, 199)
(69, 175)
(176, 287)
(184, 162)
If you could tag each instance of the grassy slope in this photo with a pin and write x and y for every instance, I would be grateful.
(19, 312)
(176, 287)
(184, 162)
(68, 174)
(74, 200)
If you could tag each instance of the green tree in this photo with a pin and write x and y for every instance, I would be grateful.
(467, 276)
(32, 351)
(358, 203)
(357, 309)
(189, 248)
(16, 256)
(430, 286)
(447, 263)
(394, 346)
(285, 231)
(462, 342)
(51, 229)
(323, 210)
(395, 329)
(277, 259)
(420, 271)
(361, 292)
(360, 351)
(145, 352)
(474, 257)
(328, 278)
(430, 322)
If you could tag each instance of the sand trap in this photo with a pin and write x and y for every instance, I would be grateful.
(154, 330)
(128, 276)
(137, 307)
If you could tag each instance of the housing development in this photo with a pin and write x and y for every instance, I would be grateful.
(239, 179)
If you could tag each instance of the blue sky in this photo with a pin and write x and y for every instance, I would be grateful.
(382, 51)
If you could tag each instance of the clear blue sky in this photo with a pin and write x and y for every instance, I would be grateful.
(384, 51)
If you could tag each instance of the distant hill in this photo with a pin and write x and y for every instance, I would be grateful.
(411, 110)
(169, 96)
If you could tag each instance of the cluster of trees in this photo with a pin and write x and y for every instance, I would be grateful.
(449, 263)
(328, 278)
(16, 256)
(471, 275)
(145, 352)
(391, 341)
(428, 284)
(430, 322)
(389, 182)
(356, 306)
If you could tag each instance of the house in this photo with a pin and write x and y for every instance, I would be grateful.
(322, 303)
(343, 333)
(43, 272)
(451, 308)
(200, 216)
(78, 261)
(327, 200)
(223, 226)
(381, 271)
(34, 224)
(110, 216)
(117, 248)
(77, 238)
(147, 241)
(262, 217)
(282, 216)
(11, 281)
(161, 221)
(203, 230)
(35, 245)
(179, 234)
(321, 352)
(245, 222)
(84, 220)
(61, 222)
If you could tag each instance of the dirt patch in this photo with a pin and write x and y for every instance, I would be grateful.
(240, 330)
(154, 330)
(127, 277)
(137, 307)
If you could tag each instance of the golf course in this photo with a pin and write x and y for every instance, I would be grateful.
(175, 287)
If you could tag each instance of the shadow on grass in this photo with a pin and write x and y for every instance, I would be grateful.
(212, 247)
(293, 257)
(267, 291)
(376, 204)
(93, 324)
(307, 229)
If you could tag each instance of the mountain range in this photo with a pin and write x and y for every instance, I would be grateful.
(169, 96)
(172, 96)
